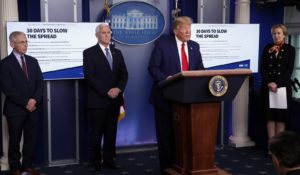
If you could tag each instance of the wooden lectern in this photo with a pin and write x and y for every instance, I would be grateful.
(195, 115)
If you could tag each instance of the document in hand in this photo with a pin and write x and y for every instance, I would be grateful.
(278, 100)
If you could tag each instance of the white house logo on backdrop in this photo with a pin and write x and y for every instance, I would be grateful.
(136, 23)
(134, 20)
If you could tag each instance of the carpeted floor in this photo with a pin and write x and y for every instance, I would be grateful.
(241, 161)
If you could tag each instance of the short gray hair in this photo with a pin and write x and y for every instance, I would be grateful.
(100, 26)
(13, 35)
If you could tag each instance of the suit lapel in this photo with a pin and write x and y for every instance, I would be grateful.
(101, 57)
(17, 65)
(175, 53)
(114, 57)
(191, 54)
(30, 68)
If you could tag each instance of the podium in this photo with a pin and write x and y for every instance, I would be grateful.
(196, 110)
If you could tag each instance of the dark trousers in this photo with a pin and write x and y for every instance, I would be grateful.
(26, 124)
(103, 123)
(165, 138)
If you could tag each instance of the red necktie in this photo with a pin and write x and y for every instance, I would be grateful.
(24, 67)
(184, 62)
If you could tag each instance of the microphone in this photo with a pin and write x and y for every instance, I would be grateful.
(294, 85)
(297, 82)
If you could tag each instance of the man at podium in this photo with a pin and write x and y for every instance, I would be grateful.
(171, 54)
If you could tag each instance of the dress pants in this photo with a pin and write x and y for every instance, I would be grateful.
(103, 123)
(165, 138)
(26, 124)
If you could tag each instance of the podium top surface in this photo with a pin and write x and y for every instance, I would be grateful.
(195, 86)
(205, 73)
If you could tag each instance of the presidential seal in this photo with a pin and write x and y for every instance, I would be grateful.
(218, 85)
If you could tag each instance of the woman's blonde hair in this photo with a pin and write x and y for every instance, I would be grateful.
(283, 27)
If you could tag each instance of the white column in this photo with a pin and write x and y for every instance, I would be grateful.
(8, 12)
(239, 137)
(242, 11)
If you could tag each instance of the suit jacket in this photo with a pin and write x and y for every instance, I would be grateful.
(165, 61)
(280, 69)
(17, 88)
(277, 69)
(100, 78)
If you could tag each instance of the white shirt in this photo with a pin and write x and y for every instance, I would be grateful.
(104, 51)
(18, 56)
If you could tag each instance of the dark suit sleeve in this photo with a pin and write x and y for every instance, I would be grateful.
(155, 63)
(285, 79)
(38, 93)
(263, 65)
(123, 73)
(198, 58)
(7, 87)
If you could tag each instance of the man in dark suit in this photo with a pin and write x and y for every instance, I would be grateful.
(106, 76)
(22, 83)
(170, 55)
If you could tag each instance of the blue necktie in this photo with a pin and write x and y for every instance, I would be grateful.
(109, 58)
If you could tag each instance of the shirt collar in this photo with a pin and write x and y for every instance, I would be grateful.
(17, 55)
(179, 43)
(103, 47)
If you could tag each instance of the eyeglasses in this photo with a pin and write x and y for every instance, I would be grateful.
(21, 42)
